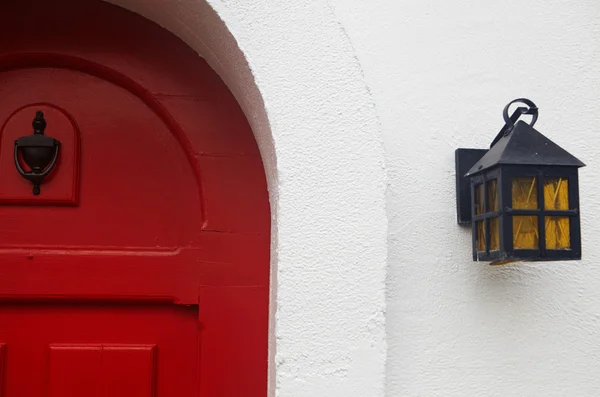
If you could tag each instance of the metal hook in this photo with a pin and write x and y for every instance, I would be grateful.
(531, 109)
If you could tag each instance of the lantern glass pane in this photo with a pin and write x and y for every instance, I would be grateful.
(558, 232)
(524, 193)
(480, 236)
(479, 199)
(525, 232)
(492, 197)
(494, 234)
(556, 194)
(492, 190)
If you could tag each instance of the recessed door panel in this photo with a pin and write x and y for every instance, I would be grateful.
(75, 371)
(102, 370)
(104, 350)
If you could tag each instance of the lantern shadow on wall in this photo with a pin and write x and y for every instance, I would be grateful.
(521, 196)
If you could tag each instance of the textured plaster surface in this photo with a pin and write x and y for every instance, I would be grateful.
(295, 74)
(441, 72)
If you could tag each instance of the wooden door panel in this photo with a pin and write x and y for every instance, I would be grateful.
(2, 353)
(168, 276)
(75, 371)
(132, 168)
(129, 370)
(115, 350)
(102, 370)
(142, 269)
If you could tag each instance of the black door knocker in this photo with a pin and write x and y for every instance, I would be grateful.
(39, 152)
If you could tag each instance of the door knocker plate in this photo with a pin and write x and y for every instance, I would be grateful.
(46, 160)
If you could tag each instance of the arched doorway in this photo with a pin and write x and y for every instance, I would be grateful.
(143, 265)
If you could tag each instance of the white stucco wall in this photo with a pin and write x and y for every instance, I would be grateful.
(441, 72)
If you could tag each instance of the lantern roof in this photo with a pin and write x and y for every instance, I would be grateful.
(523, 145)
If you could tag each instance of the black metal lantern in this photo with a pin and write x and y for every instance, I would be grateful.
(521, 196)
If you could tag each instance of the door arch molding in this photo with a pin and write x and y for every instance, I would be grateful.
(294, 72)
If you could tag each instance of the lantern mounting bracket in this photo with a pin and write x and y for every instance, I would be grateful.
(464, 160)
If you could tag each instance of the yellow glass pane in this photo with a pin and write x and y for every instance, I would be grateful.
(556, 194)
(525, 232)
(524, 193)
(492, 191)
(558, 232)
(479, 199)
(480, 236)
(494, 234)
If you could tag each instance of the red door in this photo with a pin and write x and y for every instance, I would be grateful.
(141, 269)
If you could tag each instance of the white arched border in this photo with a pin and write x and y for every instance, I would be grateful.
(294, 72)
